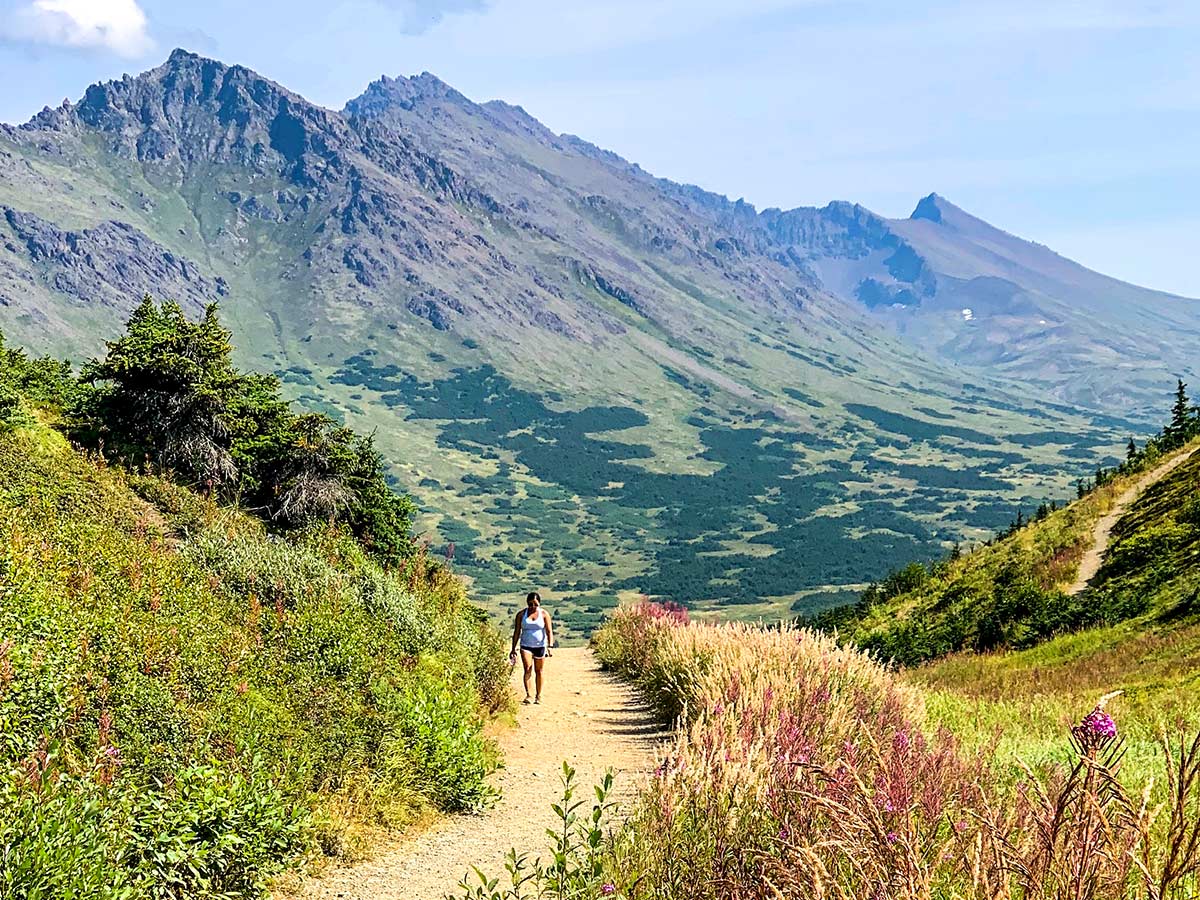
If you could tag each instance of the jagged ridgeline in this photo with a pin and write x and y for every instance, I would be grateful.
(219, 647)
(593, 379)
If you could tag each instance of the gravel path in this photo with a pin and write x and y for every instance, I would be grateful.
(1090, 564)
(587, 717)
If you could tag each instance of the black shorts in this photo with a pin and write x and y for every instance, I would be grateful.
(535, 652)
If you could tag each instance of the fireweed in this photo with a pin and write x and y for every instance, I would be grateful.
(803, 769)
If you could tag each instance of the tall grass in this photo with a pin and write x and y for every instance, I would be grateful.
(804, 769)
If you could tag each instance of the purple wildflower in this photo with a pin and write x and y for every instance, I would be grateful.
(608, 888)
(1096, 730)
(1100, 723)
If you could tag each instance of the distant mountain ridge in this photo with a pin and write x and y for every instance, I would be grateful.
(591, 376)
(1032, 313)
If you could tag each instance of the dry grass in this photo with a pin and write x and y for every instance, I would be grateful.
(804, 769)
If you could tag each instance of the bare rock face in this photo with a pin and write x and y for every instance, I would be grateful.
(111, 265)
(415, 201)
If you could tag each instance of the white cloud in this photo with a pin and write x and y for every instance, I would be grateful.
(119, 26)
(418, 16)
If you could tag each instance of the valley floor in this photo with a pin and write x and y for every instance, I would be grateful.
(588, 718)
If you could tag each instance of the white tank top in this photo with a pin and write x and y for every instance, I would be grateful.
(533, 631)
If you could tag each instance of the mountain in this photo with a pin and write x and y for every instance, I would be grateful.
(949, 282)
(979, 296)
(593, 379)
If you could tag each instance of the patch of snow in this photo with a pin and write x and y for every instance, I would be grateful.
(968, 314)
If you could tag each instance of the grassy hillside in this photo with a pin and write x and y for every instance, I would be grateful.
(189, 703)
(1152, 569)
(1011, 592)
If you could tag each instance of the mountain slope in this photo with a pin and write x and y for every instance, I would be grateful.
(1023, 589)
(593, 378)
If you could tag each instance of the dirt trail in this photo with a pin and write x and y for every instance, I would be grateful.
(587, 717)
(1092, 559)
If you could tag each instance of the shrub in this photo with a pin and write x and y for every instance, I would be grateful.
(212, 832)
(57, 840)
(437, 740)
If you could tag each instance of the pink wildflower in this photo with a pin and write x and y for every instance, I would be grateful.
(1096, 730)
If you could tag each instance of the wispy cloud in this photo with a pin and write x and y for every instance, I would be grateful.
(418, 16)
(118, 26)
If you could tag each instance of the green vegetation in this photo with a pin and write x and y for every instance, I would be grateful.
(188, 701)
(569, 486)
(167, 392)
(1009, 593)
(1151, 571)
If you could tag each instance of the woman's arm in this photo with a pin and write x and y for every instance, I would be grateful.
(516, 634)
(549, 632)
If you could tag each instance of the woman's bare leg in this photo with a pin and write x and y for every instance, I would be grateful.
(527, 662)
(537, 664)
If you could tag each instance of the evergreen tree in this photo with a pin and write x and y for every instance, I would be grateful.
(1131, 451)
(167, 391)
(1183, 424)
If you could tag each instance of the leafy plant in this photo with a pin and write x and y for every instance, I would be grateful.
(580, 846)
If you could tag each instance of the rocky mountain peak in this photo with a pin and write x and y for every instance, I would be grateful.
(192, 108)
(405, 93)
(930, 208)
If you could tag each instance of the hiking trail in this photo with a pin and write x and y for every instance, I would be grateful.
(1094, 557)
(589, 718)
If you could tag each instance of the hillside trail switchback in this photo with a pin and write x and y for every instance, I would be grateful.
(588, 718)
(1094, 557)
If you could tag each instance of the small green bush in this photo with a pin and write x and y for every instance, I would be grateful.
(437, 741)
(212, 832)
(58, 841)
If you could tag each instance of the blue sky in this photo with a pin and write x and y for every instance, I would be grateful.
(1075, 124)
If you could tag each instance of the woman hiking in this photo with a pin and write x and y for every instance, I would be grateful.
(534, 632)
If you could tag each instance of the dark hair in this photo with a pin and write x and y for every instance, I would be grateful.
(533, 595)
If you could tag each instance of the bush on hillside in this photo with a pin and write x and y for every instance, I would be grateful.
(167, 392)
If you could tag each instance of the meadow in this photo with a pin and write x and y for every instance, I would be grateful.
(698, 500)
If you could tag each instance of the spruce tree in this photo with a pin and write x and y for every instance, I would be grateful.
(1183, 423)
(1131, 451)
